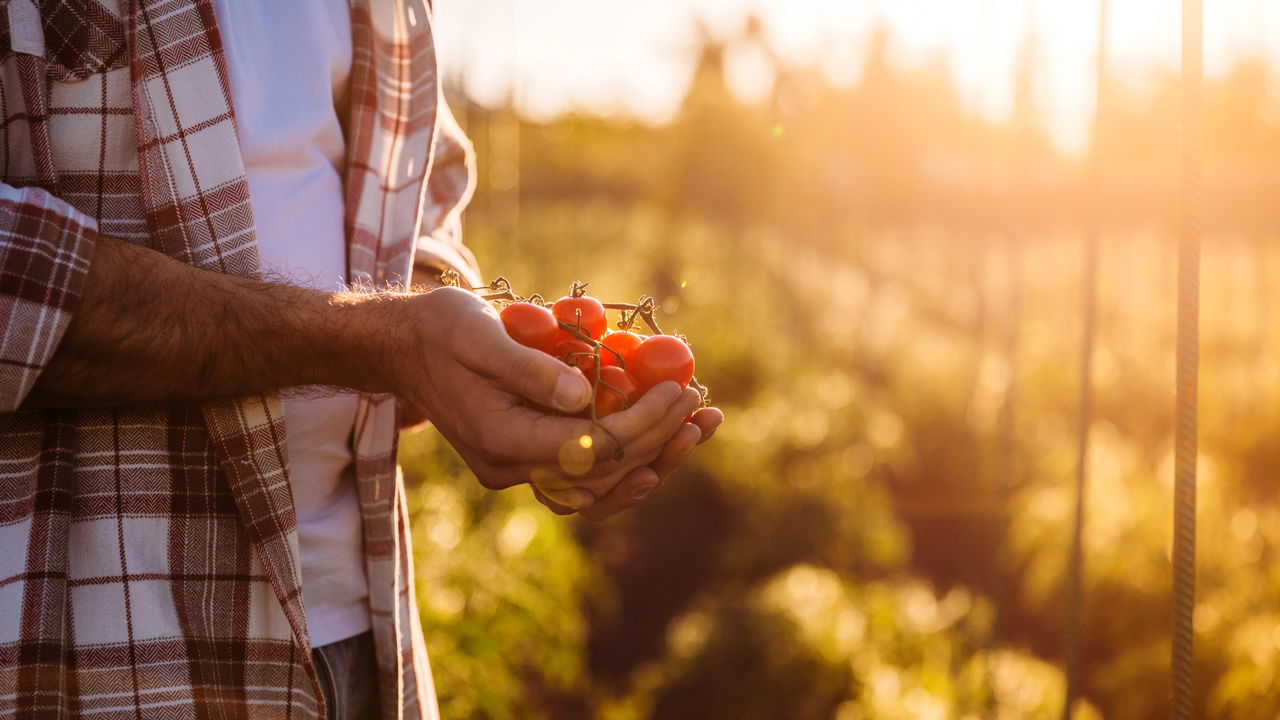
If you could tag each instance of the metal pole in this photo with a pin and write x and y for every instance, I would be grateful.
(1182, 685)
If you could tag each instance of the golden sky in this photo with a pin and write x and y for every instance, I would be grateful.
(622, 56)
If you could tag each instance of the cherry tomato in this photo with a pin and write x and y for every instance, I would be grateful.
(579, 354)
(594, 322)
(617, 391)
(531, 325)
(625, 343)
(660, 358)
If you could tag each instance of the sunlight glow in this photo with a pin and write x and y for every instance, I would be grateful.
(615, 57)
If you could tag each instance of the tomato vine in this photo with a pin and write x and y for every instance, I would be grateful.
(501, 292)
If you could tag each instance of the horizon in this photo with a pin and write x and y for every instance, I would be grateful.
(614, 58)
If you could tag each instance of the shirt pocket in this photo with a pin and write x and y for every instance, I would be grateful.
(75, 38)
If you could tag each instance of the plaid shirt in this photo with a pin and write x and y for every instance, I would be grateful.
(150, 564)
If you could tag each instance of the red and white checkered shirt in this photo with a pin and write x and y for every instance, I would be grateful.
(150, 561)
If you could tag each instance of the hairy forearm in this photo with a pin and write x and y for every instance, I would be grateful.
(152, 330)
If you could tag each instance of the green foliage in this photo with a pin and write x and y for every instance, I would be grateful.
(499, 580)
(900, 380)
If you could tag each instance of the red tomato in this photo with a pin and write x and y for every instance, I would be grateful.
(579, 354)
(625, 343)
(594, 322)
(660, 358)
(531, 325)
(617, 391)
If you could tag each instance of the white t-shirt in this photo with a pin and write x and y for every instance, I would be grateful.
(289, 61)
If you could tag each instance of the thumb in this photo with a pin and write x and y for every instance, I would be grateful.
(530, 373)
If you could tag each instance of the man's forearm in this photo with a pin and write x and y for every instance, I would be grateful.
(152, 330)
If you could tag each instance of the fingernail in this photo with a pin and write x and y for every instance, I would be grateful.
(640, 492)
(570, 393)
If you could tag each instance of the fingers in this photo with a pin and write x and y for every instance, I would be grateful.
(632, 491)
(598, 486)
(573, 498)
(677, 450)
(566, 501)
(647, 424)
(552, 505)
(639, 483)
(707, 420)
(582, 450)
(533, 374)
(518, 439)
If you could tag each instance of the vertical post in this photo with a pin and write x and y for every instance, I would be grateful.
(1184, 482)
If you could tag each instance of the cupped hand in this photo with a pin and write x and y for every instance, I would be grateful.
(476, 385)
(637, 484)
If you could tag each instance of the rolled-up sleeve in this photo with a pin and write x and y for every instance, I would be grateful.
(45, 249)
(448, 190)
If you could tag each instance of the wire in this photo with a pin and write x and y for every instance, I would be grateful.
(1182, 679)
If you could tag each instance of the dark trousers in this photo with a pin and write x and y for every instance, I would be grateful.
(348, 674)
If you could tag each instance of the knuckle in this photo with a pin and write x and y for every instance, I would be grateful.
(451, 296)
(522, 367)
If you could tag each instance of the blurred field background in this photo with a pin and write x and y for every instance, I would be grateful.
(880, 273)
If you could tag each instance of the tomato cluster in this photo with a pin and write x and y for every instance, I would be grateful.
(621, 364)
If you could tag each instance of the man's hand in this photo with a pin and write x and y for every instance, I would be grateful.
(639, 483)
(636, 485)
(456, 363)
(155, 331)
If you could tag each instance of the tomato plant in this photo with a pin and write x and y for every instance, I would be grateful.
(622, 365)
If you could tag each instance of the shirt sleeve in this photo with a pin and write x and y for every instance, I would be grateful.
(448, 190)
(45, 249)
